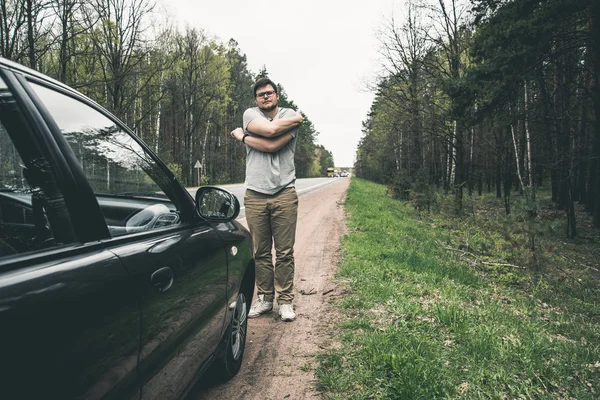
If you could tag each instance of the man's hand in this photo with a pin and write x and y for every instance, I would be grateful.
(237, 134)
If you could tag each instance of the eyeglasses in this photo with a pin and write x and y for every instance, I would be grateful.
(265, 94)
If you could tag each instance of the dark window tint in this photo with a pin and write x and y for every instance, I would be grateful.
(16, 214)
(24, 204)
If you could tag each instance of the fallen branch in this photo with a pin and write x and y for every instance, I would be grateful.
(462, 252)
(568, 275)
(501, 264)
(588, 267)
(477, 260)
(576, 262)
(329, 291)
(541, 381)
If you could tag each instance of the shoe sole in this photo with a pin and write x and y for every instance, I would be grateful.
(287, 319)
(258, 315)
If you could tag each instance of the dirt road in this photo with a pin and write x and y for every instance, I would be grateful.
(280, 357)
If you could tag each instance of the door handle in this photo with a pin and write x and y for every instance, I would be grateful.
(162, 279)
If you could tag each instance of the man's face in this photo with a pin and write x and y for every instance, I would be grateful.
(266, 99)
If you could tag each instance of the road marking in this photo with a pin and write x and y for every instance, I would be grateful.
(304, 190)
(313, 187)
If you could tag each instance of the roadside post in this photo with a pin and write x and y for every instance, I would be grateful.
(198, 167)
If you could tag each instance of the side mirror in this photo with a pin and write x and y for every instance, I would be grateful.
(216, 204)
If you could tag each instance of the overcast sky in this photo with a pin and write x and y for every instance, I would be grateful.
(321, 51)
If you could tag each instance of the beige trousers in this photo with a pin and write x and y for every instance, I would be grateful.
(272, 221)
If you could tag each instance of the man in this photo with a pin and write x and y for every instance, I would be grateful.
(271, 201)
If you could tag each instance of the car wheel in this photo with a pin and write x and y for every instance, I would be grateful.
(232, 356)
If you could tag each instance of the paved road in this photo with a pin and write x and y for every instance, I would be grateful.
(302, 186)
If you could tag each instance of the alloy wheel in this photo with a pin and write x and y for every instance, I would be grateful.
(239, 326)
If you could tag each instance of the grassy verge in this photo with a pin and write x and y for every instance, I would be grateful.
(422, 322)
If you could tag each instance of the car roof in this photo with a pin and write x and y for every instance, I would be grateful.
(22, 68)
(14, 66)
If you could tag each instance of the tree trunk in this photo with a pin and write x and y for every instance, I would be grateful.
(31, 16)
(398, 152)
(594, 187)
(470, 179)
(531, 183)
(158, 114)
(507, 178)
(518, 163)
(459, 177)
(581, 166)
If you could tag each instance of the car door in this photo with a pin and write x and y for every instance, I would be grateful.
(177, 262)
(69, 324)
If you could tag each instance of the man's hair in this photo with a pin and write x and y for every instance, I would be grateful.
(262, 82)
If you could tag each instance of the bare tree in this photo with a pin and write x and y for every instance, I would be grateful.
(202, 81)
(448, 19)
(68, 26)
(594, 185)
(118, 37)
(13, 25)
(403, 49)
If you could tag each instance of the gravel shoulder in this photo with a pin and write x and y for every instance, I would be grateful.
(279, 362)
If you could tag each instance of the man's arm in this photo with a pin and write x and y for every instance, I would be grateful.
(277, 127)
(267, 145)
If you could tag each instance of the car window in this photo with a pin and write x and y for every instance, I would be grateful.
(128, 183)
(27, 192)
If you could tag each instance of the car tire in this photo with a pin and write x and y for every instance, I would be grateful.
(235, 343)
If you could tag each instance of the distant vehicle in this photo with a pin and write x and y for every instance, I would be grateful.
(330, 172)
(114, 282)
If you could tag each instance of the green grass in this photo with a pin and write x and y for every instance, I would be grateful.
(423, 323)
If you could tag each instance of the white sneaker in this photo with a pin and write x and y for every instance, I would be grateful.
(286, 311)
(260, 307)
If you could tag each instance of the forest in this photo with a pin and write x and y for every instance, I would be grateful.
(489, 96)
(180, 90)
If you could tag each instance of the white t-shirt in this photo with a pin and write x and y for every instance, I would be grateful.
(269, 173)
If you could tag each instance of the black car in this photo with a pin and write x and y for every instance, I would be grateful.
(114, 281)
